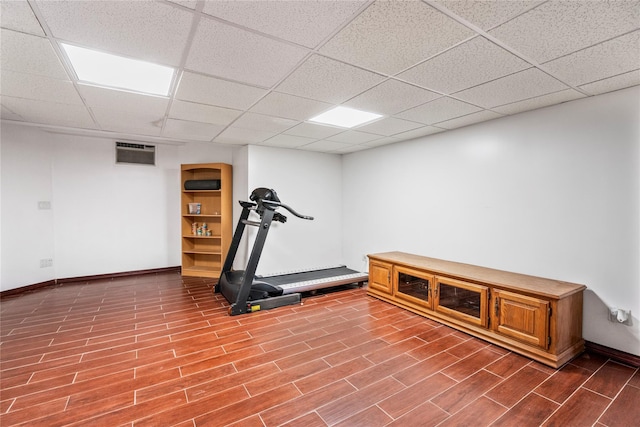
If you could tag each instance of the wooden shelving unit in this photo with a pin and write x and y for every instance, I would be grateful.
(204, 249)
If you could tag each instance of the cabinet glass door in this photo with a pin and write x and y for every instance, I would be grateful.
(462, 300)
(413, 286)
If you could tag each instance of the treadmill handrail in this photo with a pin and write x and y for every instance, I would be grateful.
(290, 209)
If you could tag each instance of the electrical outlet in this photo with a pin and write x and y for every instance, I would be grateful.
(618, 315)
(44, 205)
(46, 262)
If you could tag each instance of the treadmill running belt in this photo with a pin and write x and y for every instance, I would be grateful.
(314, 279)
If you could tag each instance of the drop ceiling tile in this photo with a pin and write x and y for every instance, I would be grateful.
(613, 83)
(303, 22)
(32, 86)
(289, 106)
(202, 113)
(240, 55)
(351, 148)
(327, 80)
(263, 122)
(516, 87)
(325, 146)
(7, 114)
(49, 112)
(420, 132)
(314, 131)
(488, 14)
(471, 63)
(288, 141)
(136, 122)
(212, 91)
(391, 97)
(183, 129)
(100, 97)
(239, 136)
(29, 54)
(17, 15)
(559, 27)
(150, 31)
(441, 109)
(191, 4)
(390, 36)
(616, 56)
(389, 126)
(540, 101)
(480, 116)
(382, 141)
(353, 137)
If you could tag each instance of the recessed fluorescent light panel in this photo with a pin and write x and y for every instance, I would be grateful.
(345, 117)
(118, 72)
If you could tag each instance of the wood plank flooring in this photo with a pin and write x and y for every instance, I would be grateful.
(161, 350)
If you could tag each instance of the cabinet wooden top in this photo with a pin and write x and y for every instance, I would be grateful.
(504, 279)
(187, 167)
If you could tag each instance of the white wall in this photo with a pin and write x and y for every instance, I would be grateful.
(553, 193)
(105, 218)
(310, 183)
(27, 232)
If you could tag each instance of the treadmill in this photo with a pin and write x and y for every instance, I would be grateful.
(247, 292)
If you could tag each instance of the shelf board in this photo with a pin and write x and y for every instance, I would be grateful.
(201, 268)
(201, 191)
(201, 252)
(195, 236)
(202, 216)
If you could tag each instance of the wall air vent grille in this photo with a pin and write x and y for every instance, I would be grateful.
(138, 154)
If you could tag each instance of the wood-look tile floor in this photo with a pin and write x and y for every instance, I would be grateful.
(160, 350)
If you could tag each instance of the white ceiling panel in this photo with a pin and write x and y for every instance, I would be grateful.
(191, 4)
(32, 86)
(480, 116)
(51, 113)
(288, 141)
(390, 36)
(183, 129)
(212, 91)
(289, 106)
(17, 15)
(262, 122)
(389, 126)
(140, 122)
(26, 53)
(613, 83)
(353, 137)
(382, 141)
(516, 87)
(419, 132)
(327, 80)
(441, 109)
(616, 56)
(327, 146)
(539, 102)
(150, 31)
(122, 100)
(350, 148)
(468, 64)
(314, 131)
(488, 14)
(239, 136)
(391, 97)
(232, 53)
(303, 22)
(559, 27)
(202, 113)
(7, 114)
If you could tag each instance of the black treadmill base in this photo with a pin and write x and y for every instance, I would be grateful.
(265, 304)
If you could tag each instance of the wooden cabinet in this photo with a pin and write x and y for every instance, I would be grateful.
(206, 218)
(536, 317)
